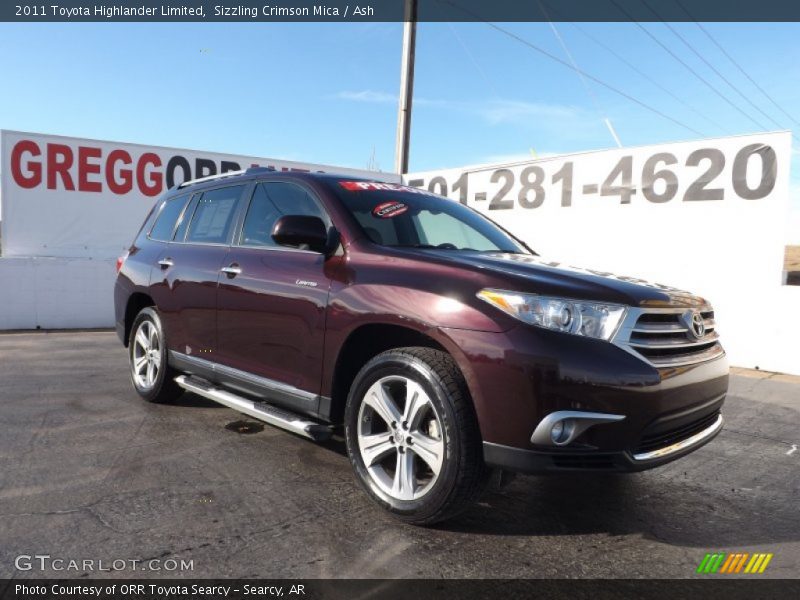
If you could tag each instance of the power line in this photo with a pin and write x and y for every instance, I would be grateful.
(474, 62)
(711, 66)
(737, 65)
(566, 64)
(574, 65)
(687, 66)
(582, 72)
(584, 83)
(647, 77)
(592, 77)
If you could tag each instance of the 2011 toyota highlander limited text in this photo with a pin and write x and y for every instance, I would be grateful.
(445, 347)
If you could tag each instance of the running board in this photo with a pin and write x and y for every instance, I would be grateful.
(258, 410)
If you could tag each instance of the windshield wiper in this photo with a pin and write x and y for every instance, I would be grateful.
(427, 247)
(432, 247)
(498, 251)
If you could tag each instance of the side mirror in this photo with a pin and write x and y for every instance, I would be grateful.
(300, 231)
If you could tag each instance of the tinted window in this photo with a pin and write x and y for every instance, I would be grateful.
(271, 201)
(396, 215)
(165, 222)
(380, 231)
(436, 229)
(214, 215)
(291, 199)
(185, 219)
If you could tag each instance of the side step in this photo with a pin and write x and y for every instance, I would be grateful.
(258, 410)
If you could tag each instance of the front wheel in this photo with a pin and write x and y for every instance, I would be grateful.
(412, 435)
(151, 375)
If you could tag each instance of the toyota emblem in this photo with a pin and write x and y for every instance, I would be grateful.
(698, 325)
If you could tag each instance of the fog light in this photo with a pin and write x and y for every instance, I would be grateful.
(561, 431)
(564, 426)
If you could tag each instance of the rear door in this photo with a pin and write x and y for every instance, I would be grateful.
(271, 306)
(184, 280)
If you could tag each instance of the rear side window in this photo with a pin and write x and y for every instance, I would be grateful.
(214, 216)
(271, 201)
(164, 227)
(185, 219)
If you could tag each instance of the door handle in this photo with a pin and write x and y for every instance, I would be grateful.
(166, 263)
(231, 270)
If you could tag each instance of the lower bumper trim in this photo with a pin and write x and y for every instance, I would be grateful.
(697, 439)
(520, 460)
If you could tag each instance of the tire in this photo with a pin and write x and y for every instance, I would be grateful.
(153, 379)
(409, 415)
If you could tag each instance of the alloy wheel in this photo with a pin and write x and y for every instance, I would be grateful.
(400, 438)
(146, 355)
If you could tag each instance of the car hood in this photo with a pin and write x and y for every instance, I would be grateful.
(528, 273)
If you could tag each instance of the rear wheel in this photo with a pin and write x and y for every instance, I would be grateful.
(412, 435)
(151, 375)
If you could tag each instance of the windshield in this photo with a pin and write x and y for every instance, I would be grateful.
(400, 216)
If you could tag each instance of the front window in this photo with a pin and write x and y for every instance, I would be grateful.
(271, 201)
(399, 216)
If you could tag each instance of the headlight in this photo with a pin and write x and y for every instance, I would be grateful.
(589, 319)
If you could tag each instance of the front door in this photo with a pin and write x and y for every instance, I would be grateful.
(272, 299)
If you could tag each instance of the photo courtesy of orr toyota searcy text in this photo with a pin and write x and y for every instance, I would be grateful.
(156, 590)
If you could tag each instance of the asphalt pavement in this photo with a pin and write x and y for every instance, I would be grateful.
(89, 472)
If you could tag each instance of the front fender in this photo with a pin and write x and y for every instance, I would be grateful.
(423, 312)
(355, 305)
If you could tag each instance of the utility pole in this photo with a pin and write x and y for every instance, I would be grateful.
(406, 88)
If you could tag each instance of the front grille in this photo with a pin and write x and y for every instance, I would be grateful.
(662, 439)
(666, 337)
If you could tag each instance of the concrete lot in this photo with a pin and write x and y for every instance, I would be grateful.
(89, 471)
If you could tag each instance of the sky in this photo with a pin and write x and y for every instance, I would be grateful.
(327, 93)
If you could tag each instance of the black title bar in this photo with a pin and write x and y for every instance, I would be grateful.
(711, 588)
(393, 10)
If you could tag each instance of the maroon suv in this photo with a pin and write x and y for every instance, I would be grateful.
(445, 346)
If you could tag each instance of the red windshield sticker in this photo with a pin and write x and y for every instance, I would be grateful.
(380, 186)
(362, 186)
(387, 210)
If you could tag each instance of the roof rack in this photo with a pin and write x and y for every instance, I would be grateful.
(250, 171)
(254, 170)
(211, 178)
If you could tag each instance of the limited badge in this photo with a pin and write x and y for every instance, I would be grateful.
(387, 210)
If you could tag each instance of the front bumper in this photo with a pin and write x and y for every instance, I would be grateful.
(519, 377)
(536, 461)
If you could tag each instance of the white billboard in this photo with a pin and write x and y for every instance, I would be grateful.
(73, 197)
(705, 216)
(698, 214)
